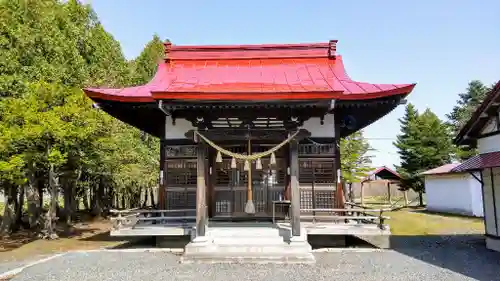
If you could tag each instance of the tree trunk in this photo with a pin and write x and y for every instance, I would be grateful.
(74, 201)
(85, 199)
(33, 198)
(8, 219)
(98, 198)
(421, 198)
(67, 199)
(51, 216)
(20, 208)
(152, 196)
(40, 183)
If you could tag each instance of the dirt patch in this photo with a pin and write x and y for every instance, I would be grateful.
(90, 235)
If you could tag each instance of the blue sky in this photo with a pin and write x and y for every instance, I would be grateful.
(441, 45)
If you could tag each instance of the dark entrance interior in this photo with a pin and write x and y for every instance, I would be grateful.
(228, 191)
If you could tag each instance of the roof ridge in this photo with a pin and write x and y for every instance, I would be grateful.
(255, 51)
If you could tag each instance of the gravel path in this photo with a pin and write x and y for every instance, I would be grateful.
(439, 258)
(7, 266)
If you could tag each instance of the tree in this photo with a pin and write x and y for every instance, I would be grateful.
(144, 66)
(50, 137)
(424, 143)
(354, 158)
(461, 113)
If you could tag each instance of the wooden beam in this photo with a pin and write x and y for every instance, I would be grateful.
(294, 185)
(163, 168)
(201, 205)
(224, 134)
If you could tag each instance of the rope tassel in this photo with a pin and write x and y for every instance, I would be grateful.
(219, 157)
(233, 163)
(273, 159)
(258, 164)
(247, 166)
(250, 157)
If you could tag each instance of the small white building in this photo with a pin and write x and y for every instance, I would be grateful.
(483, 130)
(453, 192)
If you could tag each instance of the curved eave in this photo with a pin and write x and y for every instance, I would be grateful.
(132, 94)
(146, 117)
(144, 94)
(149, 118)
(365, 112)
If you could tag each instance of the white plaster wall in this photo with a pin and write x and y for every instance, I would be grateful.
(313, 125)
(180, 128)
(489, 144)
(476, 195)
(453, 193)
(491, 197)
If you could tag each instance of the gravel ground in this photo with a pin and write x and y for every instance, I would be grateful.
(433, 258)
(7, 266)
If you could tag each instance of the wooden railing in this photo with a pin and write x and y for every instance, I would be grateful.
(346, 215)
(137, 217)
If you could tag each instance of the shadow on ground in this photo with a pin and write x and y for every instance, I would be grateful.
(337, 241)
(24, 237)
(464, 254)
(172, 242)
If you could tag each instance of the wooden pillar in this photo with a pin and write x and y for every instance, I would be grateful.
(201, 204)
(210, 174)
(389, 195)
(163, 169)
(405, 194)
(339, 194)
(361, 195)
(294, 186)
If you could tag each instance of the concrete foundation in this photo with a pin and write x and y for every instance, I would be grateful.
(493, 243)
(172, 242)
(248, 245)
(327, 241)
(378, 241)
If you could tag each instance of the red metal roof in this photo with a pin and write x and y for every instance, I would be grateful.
(380, 169)
(252, 72)
(478, 162)
(445, 169)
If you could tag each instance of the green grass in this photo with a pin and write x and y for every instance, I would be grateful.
(419, 222)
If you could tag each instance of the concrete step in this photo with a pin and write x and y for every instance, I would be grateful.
(235, 249)
(235, 241)
(305, 258)
(263, 244)
(261, 249)
(244, 232)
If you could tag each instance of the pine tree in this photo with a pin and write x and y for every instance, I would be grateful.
(461, 113)
(466, 105)
(424, 143)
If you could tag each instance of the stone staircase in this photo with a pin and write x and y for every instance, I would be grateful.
(248, 244)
